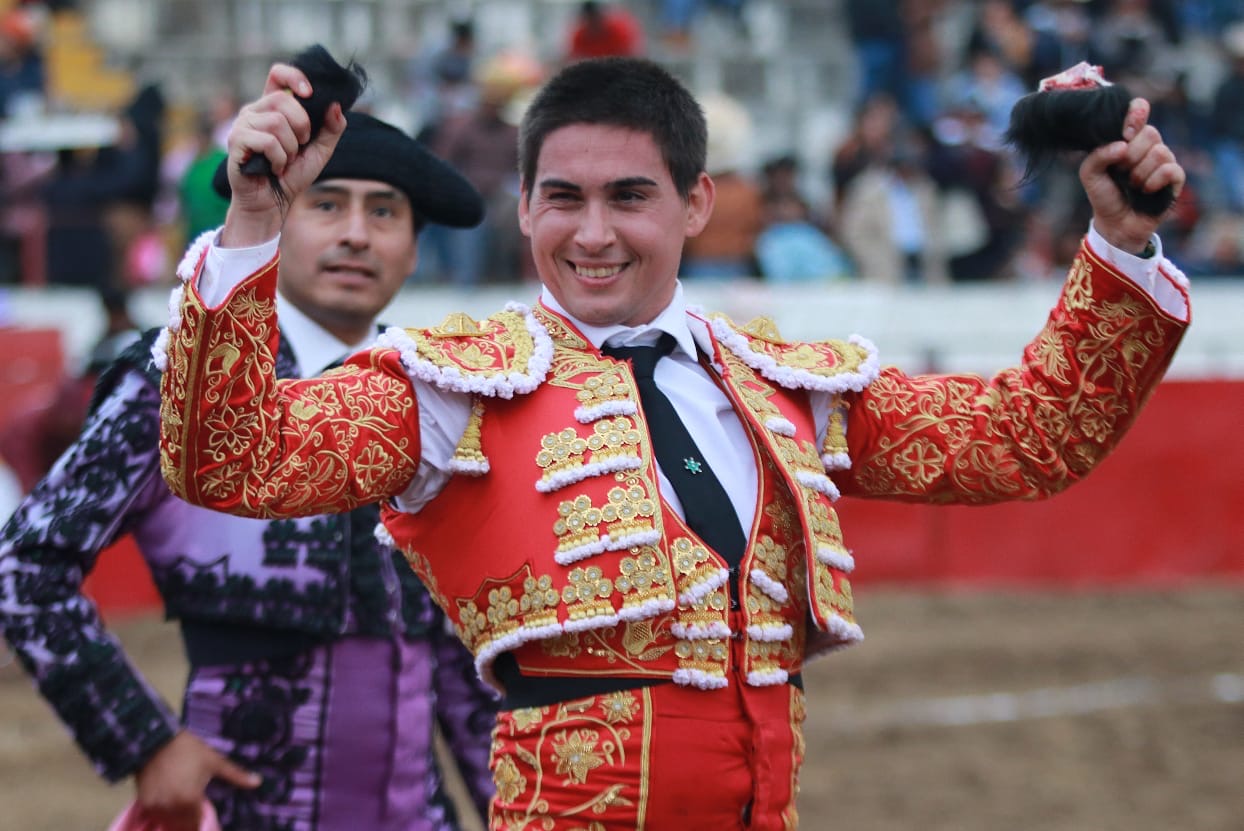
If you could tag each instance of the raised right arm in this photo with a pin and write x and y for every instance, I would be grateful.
(232, 437)
(236, 439)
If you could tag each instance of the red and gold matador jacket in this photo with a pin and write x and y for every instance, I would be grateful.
(551, 540)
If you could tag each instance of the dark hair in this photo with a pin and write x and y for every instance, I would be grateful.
(1048, 123)
(632, 93)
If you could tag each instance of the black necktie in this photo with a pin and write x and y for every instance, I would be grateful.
(707, 508)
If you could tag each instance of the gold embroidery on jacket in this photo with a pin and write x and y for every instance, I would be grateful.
(630, 511)
(566, 457)
(499, 345)
(331, 443)
(1032, 429)
(578, 742)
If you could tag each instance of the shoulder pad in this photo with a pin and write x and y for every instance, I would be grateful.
(832, 366)
(505, 354)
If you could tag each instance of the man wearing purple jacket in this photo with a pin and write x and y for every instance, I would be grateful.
(319, 665)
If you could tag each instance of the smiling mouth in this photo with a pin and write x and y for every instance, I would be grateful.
(597, 273)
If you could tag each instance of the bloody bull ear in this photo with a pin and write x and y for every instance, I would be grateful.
(330, 82)
(1078, 110)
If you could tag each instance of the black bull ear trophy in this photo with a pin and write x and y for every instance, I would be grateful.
(1078, 111)
(330, 82)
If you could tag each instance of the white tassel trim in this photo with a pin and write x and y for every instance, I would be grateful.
(648, 609)
(606, 543)
(779, 632)
(565, 478)
(836, 461)
(840, 560)
(699, 678)
(792, 378)
(818, 482)
(159, 350)
(844, 630)
(469, 467)
(701, 590)
(780, 425)
(700, 631)
(769, 586)
(486, 656)
(384, 537)
(174, 308)
(605, 409)
(767, 678)
(194, 254)
(594, 622)
(451, 378)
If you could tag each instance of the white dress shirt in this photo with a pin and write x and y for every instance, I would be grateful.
(702, 405)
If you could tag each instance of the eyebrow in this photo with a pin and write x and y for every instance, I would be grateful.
(617, 184)
(378, 193)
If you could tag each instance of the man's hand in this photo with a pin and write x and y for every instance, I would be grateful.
(172, 784)
(1149, 163)
(275, 126)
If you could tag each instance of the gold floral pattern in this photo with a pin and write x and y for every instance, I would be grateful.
(265, 448)
(1031, 430)
(559, 765)
(498, 346)
(619, 707)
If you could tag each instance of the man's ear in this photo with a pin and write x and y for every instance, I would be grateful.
(524, 210)
(700, 204)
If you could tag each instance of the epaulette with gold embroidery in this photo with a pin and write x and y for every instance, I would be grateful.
(832, 366)
(506, 354)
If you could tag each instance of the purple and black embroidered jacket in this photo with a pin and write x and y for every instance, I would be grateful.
(317, 658)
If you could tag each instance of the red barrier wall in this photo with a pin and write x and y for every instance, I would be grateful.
(1168, 504)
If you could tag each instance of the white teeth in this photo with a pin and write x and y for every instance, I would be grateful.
(598, 272)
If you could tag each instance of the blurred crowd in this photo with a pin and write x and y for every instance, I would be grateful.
(918, 188)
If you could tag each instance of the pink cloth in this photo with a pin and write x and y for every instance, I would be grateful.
(132, 819)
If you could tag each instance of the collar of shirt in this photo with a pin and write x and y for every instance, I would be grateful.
(314, 348)
(672, 319)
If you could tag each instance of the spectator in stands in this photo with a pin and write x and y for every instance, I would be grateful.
(23, 217)
(976, 176)
(603, 29)
(791, 248)
(678, 19)
(483, 144)
(22, 75)
(1216, 247)
(200, 207)
(1061, 31)
(988, 85)
(876, 30)
(890, 218)
(442, 82)
(1227, 123)
(726, 247)
(100, 202)
(1134, 48)
(869, 142)
(319, 666)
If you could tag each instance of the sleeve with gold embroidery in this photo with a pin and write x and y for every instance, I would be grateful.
(236, 439)
(1031, 430)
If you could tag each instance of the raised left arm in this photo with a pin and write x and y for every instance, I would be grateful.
(1031, 430)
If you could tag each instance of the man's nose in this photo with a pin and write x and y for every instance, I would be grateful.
(355, 232)
(595, 230)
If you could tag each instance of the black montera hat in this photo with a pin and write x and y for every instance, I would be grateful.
(373, 149)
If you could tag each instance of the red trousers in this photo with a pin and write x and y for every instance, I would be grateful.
(663, 758)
